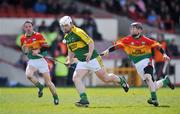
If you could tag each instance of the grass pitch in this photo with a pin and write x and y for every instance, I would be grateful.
(102, 101)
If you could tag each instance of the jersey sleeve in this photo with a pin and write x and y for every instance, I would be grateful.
(153, 43)
(22, 40)
(119, 44)
(42, 40)
(69, 48)
(87, 39)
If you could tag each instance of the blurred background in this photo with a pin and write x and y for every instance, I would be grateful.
(104, 20)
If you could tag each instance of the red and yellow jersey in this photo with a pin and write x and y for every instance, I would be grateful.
(137, 49)
(34, 41)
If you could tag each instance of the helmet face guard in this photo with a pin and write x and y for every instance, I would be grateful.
(138, 26)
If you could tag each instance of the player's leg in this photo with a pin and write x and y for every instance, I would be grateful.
(97, 66)
(80, 87)
(30, 75)
(101, 73)
(148, 73)
(159, 69)
(51, 87)
(44, 69)
(164, 82)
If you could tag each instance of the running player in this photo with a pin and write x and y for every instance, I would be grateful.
(81, 46)
(33, 43)
(138, 48)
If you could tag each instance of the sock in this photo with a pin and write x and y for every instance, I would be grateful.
(153, 96)
(83, 96)
(165, 82)
(121, 80)
(159, 84)
(39, 85)
(55, 97)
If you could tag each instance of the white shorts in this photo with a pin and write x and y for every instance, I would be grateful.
(93, 65)
(40, 64)
(141, 65)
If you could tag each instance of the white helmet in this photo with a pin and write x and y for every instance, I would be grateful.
(66, 20)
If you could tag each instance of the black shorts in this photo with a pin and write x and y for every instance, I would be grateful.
(149, 70)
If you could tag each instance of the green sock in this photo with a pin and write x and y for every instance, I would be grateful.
(165, 82)
(83, 96)
(39, 85)
(121, 81)
(55, 97)
(153, 96)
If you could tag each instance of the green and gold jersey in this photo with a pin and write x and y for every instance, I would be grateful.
(77, 42)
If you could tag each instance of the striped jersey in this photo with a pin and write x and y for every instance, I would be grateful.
(137, 49)
(77, 42)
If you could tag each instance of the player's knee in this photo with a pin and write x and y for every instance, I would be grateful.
(148, 73)
(147, 77)
(75, 78)
(48, 83)
(29, 76)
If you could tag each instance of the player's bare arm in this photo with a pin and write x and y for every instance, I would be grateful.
(89, 54)
(69, 59)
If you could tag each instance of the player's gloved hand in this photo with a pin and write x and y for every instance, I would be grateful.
(105, 53)
(35, 52)
(166, 58)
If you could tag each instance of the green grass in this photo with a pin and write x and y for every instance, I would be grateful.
(103, 101)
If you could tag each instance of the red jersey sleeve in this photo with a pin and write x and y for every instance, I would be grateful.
(40, 37)
(119, 43)
(152, 43)
(22, 40)
(41, 40)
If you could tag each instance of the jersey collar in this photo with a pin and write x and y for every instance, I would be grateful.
(30, 35)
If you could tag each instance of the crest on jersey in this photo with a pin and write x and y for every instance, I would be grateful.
(64, 41)
(132, 43)
(33, 39)
(143, 43)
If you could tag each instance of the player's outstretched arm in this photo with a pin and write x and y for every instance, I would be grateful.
(166, 58)
(110, 49)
